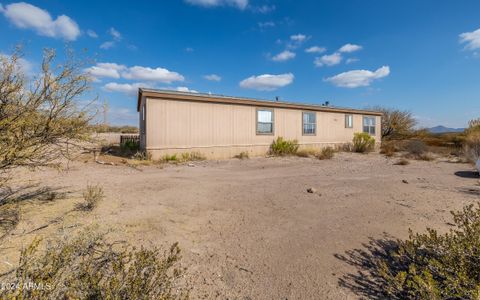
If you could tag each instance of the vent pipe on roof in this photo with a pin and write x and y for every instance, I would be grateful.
(277, 98)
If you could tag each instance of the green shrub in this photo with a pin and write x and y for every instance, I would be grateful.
(130, 146)
(326, 153)
(281, 147)
(89, 267)
(242, 155)
(91, 196)
(169, 158)
(363, 142)
(433, 265)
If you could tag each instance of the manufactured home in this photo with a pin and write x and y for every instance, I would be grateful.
(222, 127)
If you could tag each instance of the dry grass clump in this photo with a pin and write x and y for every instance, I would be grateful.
(432, 265)
(9, 218)
(472, 145)
(242, 155)
(363, 142)
(326, 153)
(417, 149)
(281, 147)
(92, 195)
(307, 152)
(192, 156)
(402, 162)
(388, 148)
(88, 267)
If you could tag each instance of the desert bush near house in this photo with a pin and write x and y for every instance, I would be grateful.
(88, 267)
(282, 147)
(363, 142)
(242, 155)
(326, 153)
(472, 142)
(432, 265)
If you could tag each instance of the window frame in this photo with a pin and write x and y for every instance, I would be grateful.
(374, 126)
(256, 120)
(303, 123)
(347, 116)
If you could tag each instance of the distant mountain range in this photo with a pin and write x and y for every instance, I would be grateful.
(443, 129)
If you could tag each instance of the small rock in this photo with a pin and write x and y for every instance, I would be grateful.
(191, 165)
(311, 190)
(405, 181)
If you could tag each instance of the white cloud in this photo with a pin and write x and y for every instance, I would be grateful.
(189, 49)
(284, 56)
(349, 48)
(111, 70)
(27, 16)
(150, 74)
(471, 39)
(1, 8)
(92, 34)
(114, 70)
(351, 60)
(358, 78)
(241, 4)
(115, 34)
(298, 37)
(328, 60)
(212, 77)
(315, 49)
(107, 45)
(266, 24)
(267, 82)
(263, 9)
(130, 89)
(185, 89)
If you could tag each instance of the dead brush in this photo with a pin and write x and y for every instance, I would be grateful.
(307, 152)
(92, 195)
(388, 149)
(88, 266)
(326, 153)
(242, 155)
(402, 162)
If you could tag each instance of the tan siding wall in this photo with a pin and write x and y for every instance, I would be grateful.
(224, 130)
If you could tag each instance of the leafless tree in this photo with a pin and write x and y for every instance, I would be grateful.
(396, 123)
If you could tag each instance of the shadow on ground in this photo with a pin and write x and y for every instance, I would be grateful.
(467, 174)
(29, 192)
(367, 281)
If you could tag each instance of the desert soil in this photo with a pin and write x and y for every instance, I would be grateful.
(248, 229)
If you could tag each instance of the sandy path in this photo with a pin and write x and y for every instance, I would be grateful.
(248, 228)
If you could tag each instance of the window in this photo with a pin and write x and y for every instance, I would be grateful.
(369, 125)
(309, 123)
(348, 121)
(264, 121)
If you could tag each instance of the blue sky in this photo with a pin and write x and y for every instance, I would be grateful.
(422, 56)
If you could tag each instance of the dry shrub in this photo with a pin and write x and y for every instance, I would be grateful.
(433, 265)
(92, 195)
(363, 142)
(307, 152)
(89, 267)
(192, 156)
(281, 147)
(416, 147)
(326, 153)
(402, 162)
(242, 155)
(388, 148)
(9, 218)
(396, 123)
(472, 145)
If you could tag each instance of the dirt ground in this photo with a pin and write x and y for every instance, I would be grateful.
(248, 229)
